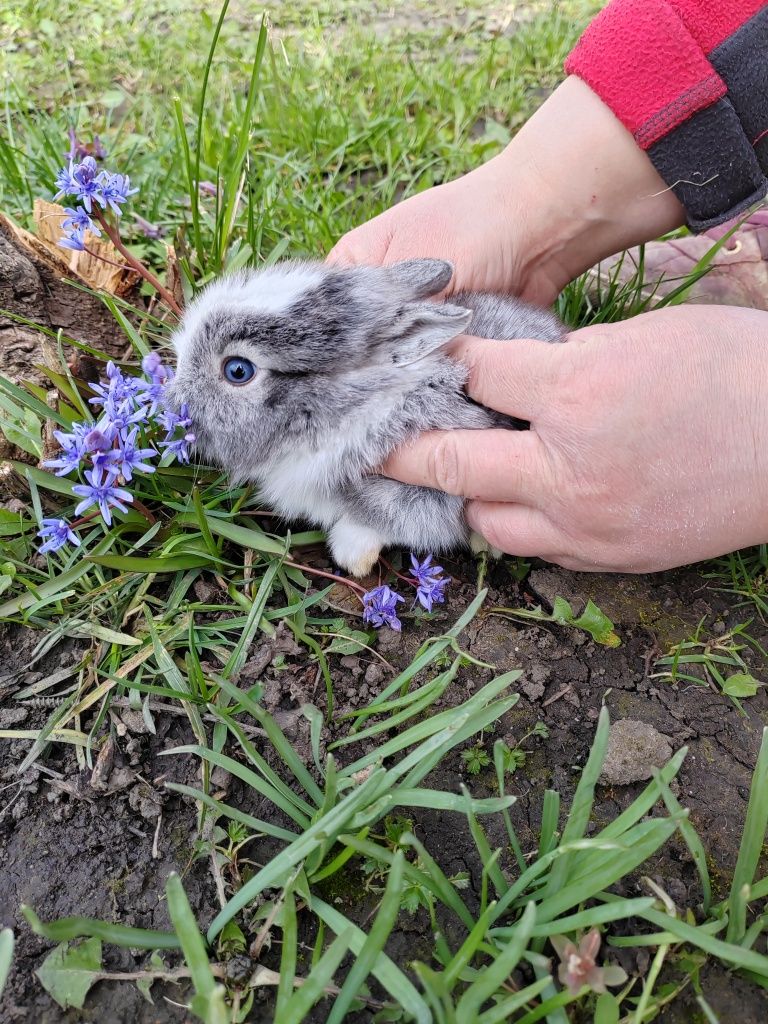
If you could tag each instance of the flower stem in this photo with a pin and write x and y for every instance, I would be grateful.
(104, 259)
(114, 236)
(327, 575)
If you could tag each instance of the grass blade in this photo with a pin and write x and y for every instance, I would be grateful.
(374, 943)
(751, 844)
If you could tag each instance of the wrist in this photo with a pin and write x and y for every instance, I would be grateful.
(582, 190)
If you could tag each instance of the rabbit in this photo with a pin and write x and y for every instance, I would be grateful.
(304, 377)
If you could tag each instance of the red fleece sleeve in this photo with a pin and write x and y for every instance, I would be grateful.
(648, 59)
(643, 62)
(689, 79)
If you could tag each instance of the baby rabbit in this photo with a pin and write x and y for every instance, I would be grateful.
(303, 377)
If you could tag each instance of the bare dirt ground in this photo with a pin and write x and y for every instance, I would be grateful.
(68, 848)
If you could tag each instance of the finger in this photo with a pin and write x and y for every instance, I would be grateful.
(516, 529)
(495, 465)
(366, 245)
(513, 377)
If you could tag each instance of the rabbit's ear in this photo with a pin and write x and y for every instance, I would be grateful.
(423, 277)
(425, 327)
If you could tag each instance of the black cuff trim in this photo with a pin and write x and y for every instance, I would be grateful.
(711, 166)
(742, 63)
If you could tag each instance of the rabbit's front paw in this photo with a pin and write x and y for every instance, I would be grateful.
(479, 544)
(354, 547)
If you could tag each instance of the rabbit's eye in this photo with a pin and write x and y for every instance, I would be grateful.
(238, 370)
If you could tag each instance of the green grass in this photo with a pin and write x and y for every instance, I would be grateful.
(344, 112)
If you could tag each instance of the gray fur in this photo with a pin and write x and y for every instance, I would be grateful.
(349, 368)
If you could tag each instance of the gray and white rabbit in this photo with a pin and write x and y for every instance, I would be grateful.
(303, 377)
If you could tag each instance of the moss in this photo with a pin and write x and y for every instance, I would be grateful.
(346, 887)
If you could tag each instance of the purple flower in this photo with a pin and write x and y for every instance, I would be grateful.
(80, 180)
(120, 387)
(78, 149)
(75, 240)
(207, 188)
(102, 492)
(152, 364)
(65, 183)
(73, 449)
(147, 228)
(431, 588)
(578, 965)
(78, 220)
(170, 420)
(57, 532)
(86, 185)
(152, 391)
(120, 415)
(127, 457)
(115, 189)
(380, 606)
(180, 447)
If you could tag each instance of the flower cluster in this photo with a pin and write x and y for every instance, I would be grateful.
(380, 604)
(92, 189)
(124, 440)
(431, 585)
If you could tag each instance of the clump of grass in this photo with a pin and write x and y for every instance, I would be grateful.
(564, 890)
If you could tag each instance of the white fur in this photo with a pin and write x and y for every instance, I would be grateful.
(355, 547)
(271, 291)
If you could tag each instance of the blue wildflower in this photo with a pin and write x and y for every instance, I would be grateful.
(74, 240)
(127, 457)
(65, 182)
(147, 228)
(78, 149)
(115, 189)
(78, 220)
(152, 391)
(380, 607)
(180, 446)
(431, 585)
(101, 491)
(170, 420)
(120, 415)
(85, 184)
(56, 533)
(73, 449)
(120, 387)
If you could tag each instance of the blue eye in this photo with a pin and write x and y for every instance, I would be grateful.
(238, 370)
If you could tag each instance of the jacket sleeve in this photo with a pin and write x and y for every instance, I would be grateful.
(689, 79)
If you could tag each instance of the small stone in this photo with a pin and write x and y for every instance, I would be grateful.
(532, 690)
(634, 750)
(374, 674)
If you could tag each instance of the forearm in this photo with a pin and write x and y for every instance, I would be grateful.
(582, 187)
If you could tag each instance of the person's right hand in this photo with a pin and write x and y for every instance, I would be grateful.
(646, 449)
(570, 189)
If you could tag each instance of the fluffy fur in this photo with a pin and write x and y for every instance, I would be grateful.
(349, 367)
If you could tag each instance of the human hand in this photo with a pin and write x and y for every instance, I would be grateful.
(647, 447)
(570, 189)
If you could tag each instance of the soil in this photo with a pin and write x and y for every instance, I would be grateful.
(74, 843)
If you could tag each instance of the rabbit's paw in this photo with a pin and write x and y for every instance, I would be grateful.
(355, 547)
(480, 544)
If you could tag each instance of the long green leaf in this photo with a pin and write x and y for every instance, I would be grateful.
(751, 845)
(374, 943)
(387, 973)
(118, 934)
(208, 994)
(6, 956)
